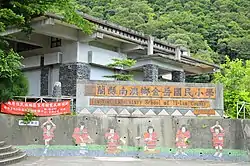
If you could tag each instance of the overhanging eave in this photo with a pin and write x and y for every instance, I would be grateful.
(196, 67)
(38, 22)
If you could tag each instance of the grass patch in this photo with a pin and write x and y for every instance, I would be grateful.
(231, 152)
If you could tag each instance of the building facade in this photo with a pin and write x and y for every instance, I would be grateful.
(60, 52)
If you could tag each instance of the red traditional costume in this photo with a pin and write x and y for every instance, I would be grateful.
(48, 134)
(113, 142)
(218, 139)
(150, 140)
(181, 138)
(78, 134)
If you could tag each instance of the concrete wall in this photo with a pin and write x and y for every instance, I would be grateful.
(53, 77)
(101, 56)
(69, 51)
(138, 75)
(34, 80)
(98, 56)
(129, 128)
(98, 73)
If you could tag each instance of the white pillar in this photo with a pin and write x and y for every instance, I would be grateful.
(150, 45)
(178, 53)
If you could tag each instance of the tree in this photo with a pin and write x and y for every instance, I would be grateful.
(12, 80)
(199, 78)
(235, 77)
(120, 65)
(211, 29)
(20, 13)
(18, 86)
(236, 47)
(15, 13)
(128, 13)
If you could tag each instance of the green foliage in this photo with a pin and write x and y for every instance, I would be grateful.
(120, 65)
(129, 13)
(20, 13)
(204, 126)
(16, 86)
(235, 76)
(28, 117)
(188, 142)
(211, 29)
(201, 78)
(9, 64)
(15, 13)
(74, 113)
(12, 80)
(21, 85)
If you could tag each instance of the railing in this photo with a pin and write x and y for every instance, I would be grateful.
(122, 34)
(241, 107)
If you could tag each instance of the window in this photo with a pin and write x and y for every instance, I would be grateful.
(55, 42)
(20, 47)
(26, 47)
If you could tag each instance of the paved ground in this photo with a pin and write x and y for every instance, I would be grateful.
(79, 161)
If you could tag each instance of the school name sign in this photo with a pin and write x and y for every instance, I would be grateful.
(155, 91)
(152, 96)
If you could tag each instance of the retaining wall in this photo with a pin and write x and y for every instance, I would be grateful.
(132, 130)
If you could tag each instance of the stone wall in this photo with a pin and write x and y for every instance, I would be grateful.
(150, 73)
(132, 131)
(69, 74)
(178, 76)
(44, 81)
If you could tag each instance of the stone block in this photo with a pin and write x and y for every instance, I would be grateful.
(150, 73)
(69, 74)
(44, 81)
(178, 76)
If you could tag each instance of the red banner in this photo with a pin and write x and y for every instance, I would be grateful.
(40, 109)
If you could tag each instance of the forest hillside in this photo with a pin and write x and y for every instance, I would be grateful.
(211, 29)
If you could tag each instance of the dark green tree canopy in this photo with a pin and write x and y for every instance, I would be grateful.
(19, 13)
(211, 29)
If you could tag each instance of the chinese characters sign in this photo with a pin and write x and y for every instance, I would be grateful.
(155, 91)
(40, 109)
(150, 103)
(31, 123)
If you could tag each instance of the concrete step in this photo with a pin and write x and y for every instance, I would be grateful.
(13, 160)
(5, 148)
(2, 143)
(12, 153)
